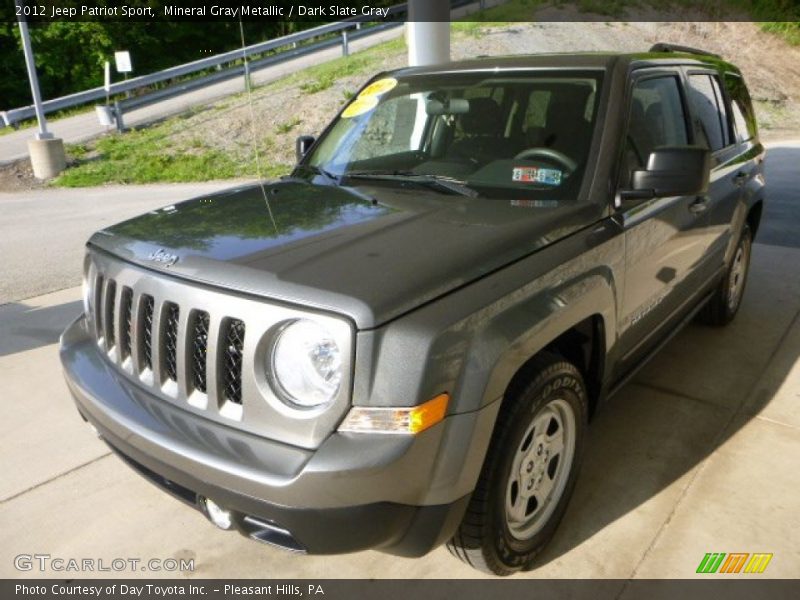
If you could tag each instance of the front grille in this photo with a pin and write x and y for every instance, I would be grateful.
(151, 330)
(203, 350)
(146, 333)
(232, 361)
(170, 337)
(199, 338)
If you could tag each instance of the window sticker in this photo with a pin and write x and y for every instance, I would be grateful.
(359, 106)
(376, 88)
(536, 175)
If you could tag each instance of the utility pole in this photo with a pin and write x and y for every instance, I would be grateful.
(46, 151)
(428, 32)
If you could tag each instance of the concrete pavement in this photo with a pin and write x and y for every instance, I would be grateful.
(700, 453)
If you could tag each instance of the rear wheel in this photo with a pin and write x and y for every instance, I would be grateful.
(724, 304)
(529, 471)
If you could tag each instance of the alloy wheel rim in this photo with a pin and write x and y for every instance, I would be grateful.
(737, 277)
(540, 469)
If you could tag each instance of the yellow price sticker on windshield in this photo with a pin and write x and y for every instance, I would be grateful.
(359, 106)
(376, 88)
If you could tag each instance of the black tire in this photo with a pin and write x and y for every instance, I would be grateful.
(485, 540)
(727, 298)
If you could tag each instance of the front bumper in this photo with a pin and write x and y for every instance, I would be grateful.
(401, 494)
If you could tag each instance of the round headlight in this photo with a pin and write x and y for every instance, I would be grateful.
(306, 364)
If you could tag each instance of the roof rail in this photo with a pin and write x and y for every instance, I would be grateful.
(666, 47)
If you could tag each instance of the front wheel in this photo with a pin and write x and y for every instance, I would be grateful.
(529, 471)
(724, 304)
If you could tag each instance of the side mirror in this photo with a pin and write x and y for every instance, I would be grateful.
(302, 145)
(672, 171)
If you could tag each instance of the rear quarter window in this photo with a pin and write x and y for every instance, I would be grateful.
(744, 119)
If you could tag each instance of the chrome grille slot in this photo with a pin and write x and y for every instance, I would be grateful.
(98, 306)
(199, 349)
(146, 331)
(108, 313)
(169, 338)
(232, 361)
(126, 308)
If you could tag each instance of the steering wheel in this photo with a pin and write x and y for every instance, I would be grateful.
(549, 153)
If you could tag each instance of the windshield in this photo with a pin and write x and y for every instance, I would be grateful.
(507, 135)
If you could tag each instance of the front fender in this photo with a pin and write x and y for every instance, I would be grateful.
(470, 343)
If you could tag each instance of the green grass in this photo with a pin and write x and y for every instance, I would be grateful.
(147, 156)
(288, 125)
(789, 31)
(326, 75)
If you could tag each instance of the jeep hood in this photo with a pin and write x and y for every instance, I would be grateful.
(370, 253)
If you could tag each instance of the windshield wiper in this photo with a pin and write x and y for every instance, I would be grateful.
(440, 181)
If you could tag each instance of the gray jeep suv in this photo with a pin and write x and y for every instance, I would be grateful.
(401, 344)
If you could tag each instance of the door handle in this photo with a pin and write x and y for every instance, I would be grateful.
(700, 205)
(740, 178)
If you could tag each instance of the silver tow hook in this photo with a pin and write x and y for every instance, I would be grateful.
(217, 515)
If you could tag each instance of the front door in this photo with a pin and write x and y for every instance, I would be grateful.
(665, 238)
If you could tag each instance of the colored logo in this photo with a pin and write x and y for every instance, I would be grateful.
(734, 562)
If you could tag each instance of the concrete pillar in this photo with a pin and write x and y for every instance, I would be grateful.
(47, 157)
(428, 32)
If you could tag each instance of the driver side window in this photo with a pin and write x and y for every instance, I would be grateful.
(656, 118)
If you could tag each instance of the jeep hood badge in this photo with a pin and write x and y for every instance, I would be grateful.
(162, 256)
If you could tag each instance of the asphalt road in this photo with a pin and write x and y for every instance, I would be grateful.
(42, 232)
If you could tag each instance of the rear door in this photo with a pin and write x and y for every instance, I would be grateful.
(737, 154)
(665, 238)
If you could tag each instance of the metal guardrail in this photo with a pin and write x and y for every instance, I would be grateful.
(348, 30)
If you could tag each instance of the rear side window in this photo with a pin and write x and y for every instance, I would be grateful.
(656, 119)
(709, 109)
(741, 108)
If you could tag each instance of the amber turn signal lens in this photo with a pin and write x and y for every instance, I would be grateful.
(408, 420)
(428, 414)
